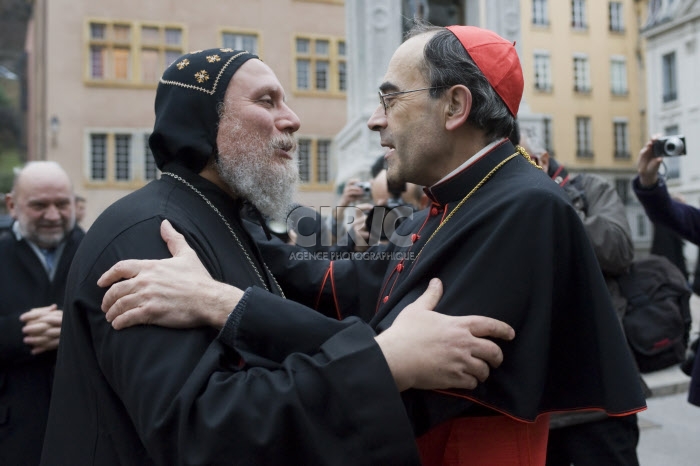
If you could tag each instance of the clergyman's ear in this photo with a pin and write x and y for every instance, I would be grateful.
(459, 105)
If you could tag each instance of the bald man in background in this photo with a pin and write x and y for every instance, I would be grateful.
(36, 253)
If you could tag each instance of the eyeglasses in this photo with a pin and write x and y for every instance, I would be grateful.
(391, 94)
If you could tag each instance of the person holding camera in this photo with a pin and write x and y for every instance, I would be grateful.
(379, 208)
(662, 209)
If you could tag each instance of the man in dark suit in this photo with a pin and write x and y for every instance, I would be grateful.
(36, 253)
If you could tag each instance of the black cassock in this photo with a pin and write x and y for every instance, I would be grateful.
(25, 379)
(152, 395)
(514, 250)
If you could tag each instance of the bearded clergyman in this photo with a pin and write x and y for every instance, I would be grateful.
(224, 137)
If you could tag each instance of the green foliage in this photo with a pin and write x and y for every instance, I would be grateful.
(9, 159)
(4, 100)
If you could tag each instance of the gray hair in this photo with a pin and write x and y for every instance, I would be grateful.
(446, 64)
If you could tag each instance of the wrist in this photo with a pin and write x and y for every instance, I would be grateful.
(648, 182)
(395, 361)
(225, 298)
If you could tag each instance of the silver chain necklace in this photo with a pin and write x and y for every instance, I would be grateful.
(233, 233)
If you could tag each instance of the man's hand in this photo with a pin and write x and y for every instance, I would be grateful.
(178, 292)
(429, 350)
(42, 328)
(352, 192)
(648, 164)
(360, 233)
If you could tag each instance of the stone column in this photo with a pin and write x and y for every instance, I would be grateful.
(373, 29)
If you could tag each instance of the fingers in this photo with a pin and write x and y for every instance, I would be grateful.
(177, 245)
(482, 326)
(43, 334)
(129, 318)
(42, 344)
(120, 271)
(431, 296)
(115, 294)
(487, 353)
(37, 313)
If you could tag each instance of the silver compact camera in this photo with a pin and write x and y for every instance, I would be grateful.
(366, 191)
(364, 185)
(669, 146)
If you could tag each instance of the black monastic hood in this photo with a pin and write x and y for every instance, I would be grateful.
(187, 102)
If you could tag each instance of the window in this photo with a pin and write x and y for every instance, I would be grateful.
(584, 147)
(621, 134)
(321, 65)
(342, 71)
(622, 186)
(615, 13)
(130, 53)
(240, 41)
(668, 69)
(119, 157)
(578, 14)
(543, 71)
(618, 76)
(642, 225)
(540, 16)
(582, 74)
(314, 161)
(436, 12)
(98, 157)
(149, 162)
(122, 155)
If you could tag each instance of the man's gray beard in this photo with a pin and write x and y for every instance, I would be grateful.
(253, 172)
(45, 241)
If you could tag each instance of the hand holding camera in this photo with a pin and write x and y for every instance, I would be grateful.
(652, 154)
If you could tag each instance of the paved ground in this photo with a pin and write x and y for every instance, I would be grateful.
(670, 427)
(669, 432)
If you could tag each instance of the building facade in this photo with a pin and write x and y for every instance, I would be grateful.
(93, 68)
(672, 36)
(584, 78)
(585, 84)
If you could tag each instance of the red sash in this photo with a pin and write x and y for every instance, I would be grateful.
(486, 441)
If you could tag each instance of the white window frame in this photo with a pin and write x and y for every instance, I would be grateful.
(542, 61)
(584, 138)
(621, 138)
(618, 75)
(582, 73)
(578, 14)
(540, 13)
(669, 77)
(616, 17)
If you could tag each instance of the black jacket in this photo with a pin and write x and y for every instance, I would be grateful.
(25, 380)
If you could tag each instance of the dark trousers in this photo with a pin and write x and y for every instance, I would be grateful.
(610, 442)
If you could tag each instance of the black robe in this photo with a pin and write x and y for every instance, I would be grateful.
(25, 380)
(153, 395)
(517, 251)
